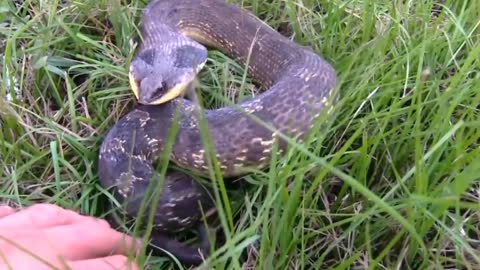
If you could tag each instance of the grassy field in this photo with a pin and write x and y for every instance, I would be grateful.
(390, 183)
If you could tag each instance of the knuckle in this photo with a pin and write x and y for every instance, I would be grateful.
(45, 209)
(99, 223)
(43, 212)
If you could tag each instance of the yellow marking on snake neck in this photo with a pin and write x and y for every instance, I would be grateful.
(133, 85)
(195, 35)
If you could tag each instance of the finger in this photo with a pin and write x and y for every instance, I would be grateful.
(42, 216)
(90, 239)
(116, 262)
(6, 210)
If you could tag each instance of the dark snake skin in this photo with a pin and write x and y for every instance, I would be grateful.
(299, 86)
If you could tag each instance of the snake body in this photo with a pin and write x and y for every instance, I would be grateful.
(298, 82)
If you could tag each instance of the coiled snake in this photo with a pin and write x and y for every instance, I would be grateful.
(299, 87)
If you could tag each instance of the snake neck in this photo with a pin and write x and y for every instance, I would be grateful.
(242, 36)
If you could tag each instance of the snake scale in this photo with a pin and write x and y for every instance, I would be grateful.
(175, 37)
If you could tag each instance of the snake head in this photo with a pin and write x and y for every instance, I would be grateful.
(158, 75)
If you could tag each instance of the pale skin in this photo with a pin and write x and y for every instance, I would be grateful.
(51, 237)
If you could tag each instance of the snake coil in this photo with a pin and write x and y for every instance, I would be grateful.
(299, 85)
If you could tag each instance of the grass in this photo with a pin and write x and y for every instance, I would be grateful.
(390, 183)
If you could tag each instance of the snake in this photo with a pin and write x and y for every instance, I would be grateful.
(297, 84)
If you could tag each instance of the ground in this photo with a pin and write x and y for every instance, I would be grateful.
(390, 183)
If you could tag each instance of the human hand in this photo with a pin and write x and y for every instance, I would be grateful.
(45, 236)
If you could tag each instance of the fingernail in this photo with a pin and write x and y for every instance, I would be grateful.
(138, 244)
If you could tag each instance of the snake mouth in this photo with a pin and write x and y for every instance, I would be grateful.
(172, 93)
